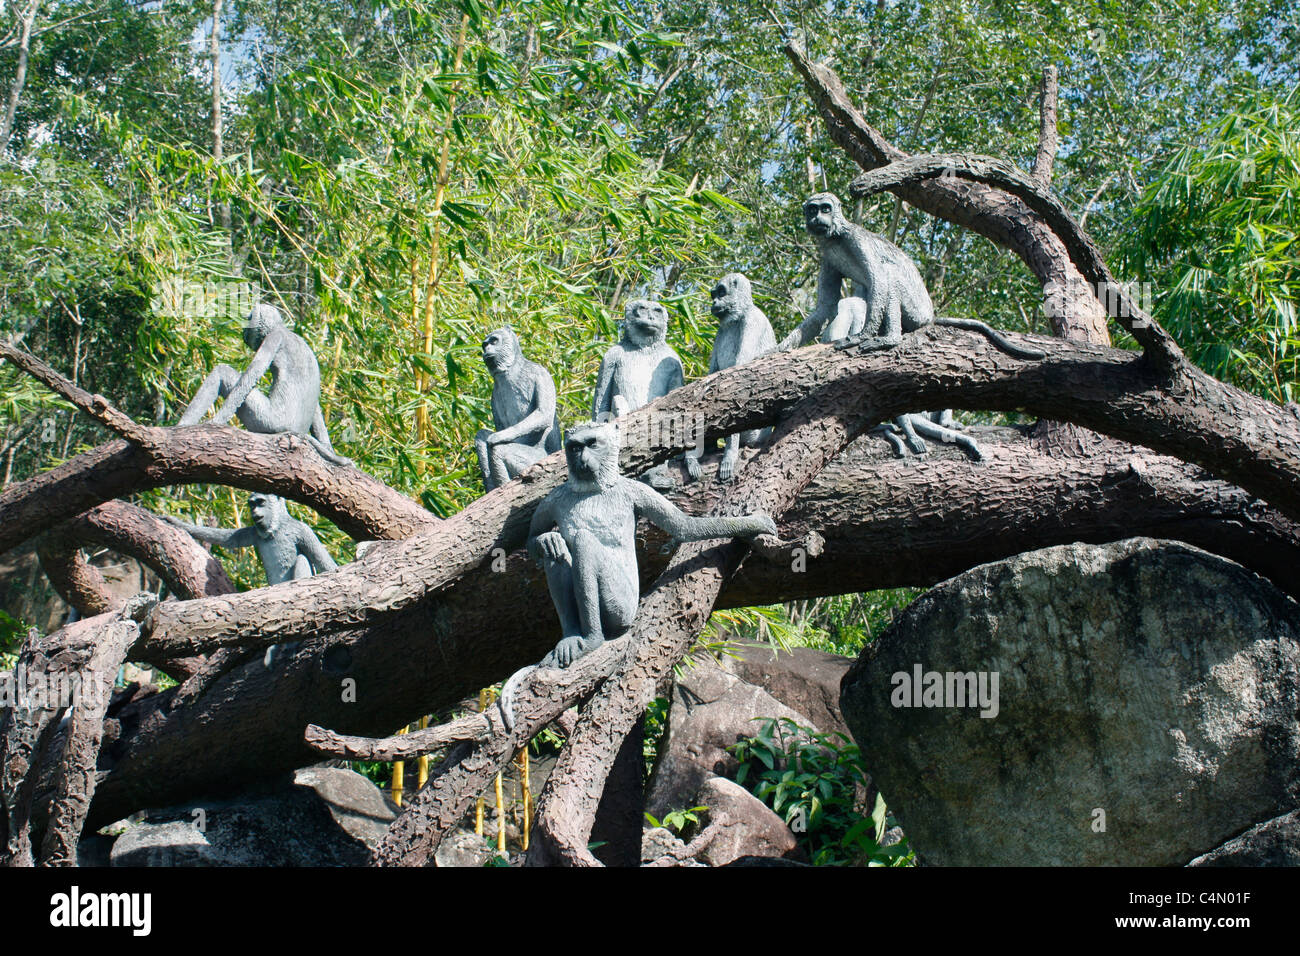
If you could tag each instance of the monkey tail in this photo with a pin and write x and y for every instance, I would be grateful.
(326, 452)
(509, 690)
(992, 334)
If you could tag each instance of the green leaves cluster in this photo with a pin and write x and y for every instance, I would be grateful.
(815, 782)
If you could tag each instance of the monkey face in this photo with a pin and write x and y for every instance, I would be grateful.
(822, 215)
(645, 323)
(592, 454)
(268, 511)
(500, 349)
(731, 297)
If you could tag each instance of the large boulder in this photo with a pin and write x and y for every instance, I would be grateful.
(804, 679)
(709, 711)
(327, 816)
(745, 825)
(1145, 711)
(1274, 842)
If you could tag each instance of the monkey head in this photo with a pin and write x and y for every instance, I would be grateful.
(645, 324)
(592, 452)
(823, 216)
(269, 512)
(500, 350)
(732, 297)
(261, 320)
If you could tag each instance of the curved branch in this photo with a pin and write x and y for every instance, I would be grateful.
(281, 464)
(417, 743)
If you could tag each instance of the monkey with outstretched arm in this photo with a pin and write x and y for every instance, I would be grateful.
(584, 535)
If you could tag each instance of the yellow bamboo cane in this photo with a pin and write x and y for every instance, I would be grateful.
(425, 342)
(399, 774)
(422, 765)
(526, 787)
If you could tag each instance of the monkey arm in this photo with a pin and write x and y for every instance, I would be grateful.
(653, 506)
(604, 383)
(540, 545)
(537, 420)
(225, 537)
(830, 282)
(310, 547)
(262, 360)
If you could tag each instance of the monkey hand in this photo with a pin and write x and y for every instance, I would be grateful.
(762, 523)
(551, 547)
(727, 470)
(693, 467)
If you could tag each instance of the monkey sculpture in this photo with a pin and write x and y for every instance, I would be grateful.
(584, 536)
(744, 333)
(937, 426)
(639, 369)
(523, 411)
(293, 402)
(893, 296)
(287, 548)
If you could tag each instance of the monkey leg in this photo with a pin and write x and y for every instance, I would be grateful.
(484, 462)
(907, 424)
(887, 432)
(948, 436)
(755, 438)
(218, 383)
(727, 468)
(512, 460)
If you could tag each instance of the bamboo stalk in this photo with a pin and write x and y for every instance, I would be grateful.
(526, 788)
(432, 277)
(399, 775)
(422, 765)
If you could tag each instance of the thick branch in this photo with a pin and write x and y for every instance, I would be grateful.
(281, 464)
(417, 743)
(1047, 142)
(886, 523)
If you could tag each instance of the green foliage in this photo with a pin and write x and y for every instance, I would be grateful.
(1217, 234)
(814, 781)
(656, 725)
(12, 634)
(679, 821)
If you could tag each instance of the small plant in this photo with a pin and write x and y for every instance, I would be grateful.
(811, 780)
(679, 821)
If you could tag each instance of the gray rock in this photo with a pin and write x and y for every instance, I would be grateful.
(326, 817)
(747, 827)
(1148, 680)
(1275, 842)
(805, 680)
(463, 847)
(709, 711)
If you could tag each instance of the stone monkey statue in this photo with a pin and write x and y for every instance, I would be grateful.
(937, 426)
(523, 411)
(293, 402)
(584, 535)
(287, 548)
(886, 282)
(744, 333)
(639, 369)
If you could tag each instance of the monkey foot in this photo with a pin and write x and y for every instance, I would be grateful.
(864, 343)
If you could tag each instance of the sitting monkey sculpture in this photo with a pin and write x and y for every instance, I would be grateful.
(584, 535)
(744, 333)
(287, 548)
(639, 369)
(892, 294)
(293, 402)
(523, 411)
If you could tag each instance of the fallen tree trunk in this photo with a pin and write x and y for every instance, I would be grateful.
(886, 523)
